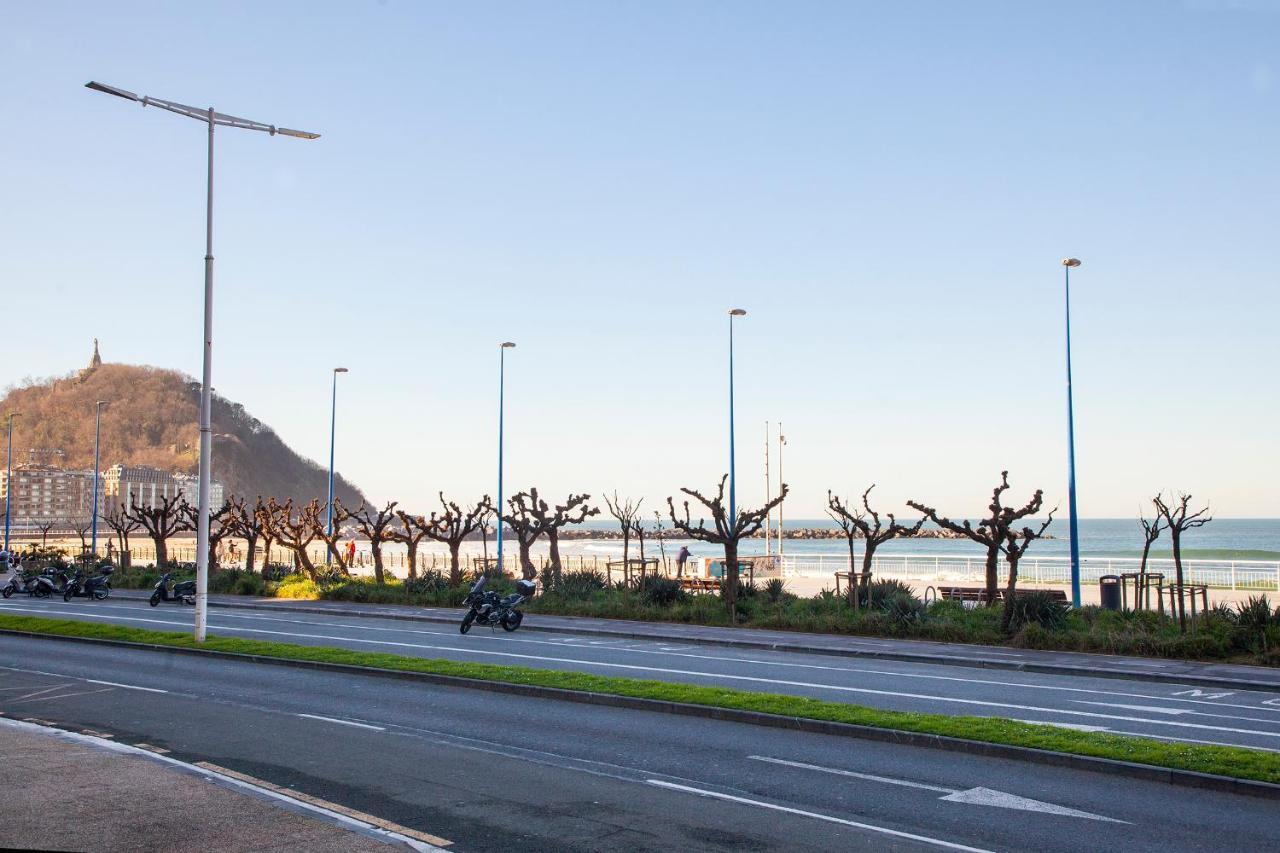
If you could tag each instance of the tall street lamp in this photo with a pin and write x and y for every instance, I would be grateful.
(211, 118)
(1067, 264)
(502, 369)
(97, 468)
(333, 426)
(8, 482)
(733, 480)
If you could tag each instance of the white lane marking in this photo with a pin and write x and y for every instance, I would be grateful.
(62, 695)
(342, 722)
(502, 638)
(884, 830)
(1148, 708)
(868, 776)
(229, 781)
(1003, 800)
(973, 796)
(725, 676)
(1182, 739)
(38, 692)
(1079, 727)
(126, 686)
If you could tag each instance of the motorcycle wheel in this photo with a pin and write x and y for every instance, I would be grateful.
(512, 620)
(155, 599)
(189, 599)
(8, 591)
(466, 621)
(67, 593)
(42, 592)
(100, 594)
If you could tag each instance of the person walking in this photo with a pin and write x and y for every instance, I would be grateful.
(682, 557)
(351, 552)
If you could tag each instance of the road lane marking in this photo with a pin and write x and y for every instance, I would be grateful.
(973, 796)
(342, 722)
(126, 686)
(62, 696)
(1079, 727)
(761, 804)
(746, 678)
(721, 659)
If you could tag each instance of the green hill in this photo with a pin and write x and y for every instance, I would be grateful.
(152, 421)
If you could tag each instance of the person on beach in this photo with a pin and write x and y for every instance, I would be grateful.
(351, 552)
(682, 557)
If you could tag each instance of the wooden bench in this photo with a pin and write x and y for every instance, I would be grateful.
(700, 585)
(979, 594)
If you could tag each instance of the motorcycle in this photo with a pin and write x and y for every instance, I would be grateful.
(52, 581)
(183, 592)
(19, 581)
(487, 607)
(97, 587)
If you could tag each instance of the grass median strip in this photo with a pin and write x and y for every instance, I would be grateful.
(1234, 762)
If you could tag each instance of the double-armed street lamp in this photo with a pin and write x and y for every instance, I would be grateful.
(333, 427)
(8, 482)
(502, 371)
(212, 119)
(733, 480)
(1067, 264)
(97, 472)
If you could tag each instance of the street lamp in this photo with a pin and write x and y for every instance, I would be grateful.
(1067, 264)
(333, 424)
(502, 369)
(97, 444)
(211, 118)
(733, 480)
(8, 482)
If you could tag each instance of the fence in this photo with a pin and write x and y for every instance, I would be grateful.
(1260, 575)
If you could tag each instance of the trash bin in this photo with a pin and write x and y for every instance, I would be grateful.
(1109, 591)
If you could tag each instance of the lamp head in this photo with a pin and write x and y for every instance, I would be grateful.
(340, 370)
(508, 345)
(111, 90)
(1071, 262)
(737, 312)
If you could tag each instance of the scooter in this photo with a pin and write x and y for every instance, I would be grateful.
(19, 581)
(489, 608)
(50, 582)
(97, 587)
(184, 592)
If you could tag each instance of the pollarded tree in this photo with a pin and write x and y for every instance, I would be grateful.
(122, 524)
(377, 528)
(44, 525)
(220, 526)
(991, 531)
(453, 525)
(573, 511)
(625, 511)
(1015, 545)
(1178, 519)
(329, 537)
(295, 531)
(161, 521)
(724, 531)
(246, 522)
(1150, 533)
(412, 530)
(526, 528)
(854, 521)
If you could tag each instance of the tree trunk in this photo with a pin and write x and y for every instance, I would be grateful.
(250, 552)
(729, 589)
(868, 553)
(455, 565)
(267, 542)
(375, 547)
(1006, 619)
(162, 553)
(1146, 549)
(411, 561)
(527, 569)
(626, 555)
(993, 574)
(1176, 535)
(553, 547)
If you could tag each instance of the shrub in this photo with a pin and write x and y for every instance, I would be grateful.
(427, 583)
(1037, 607)
(881, 590)
(328, 575)
(774, 589)
(902, 608)
(582, 584)
(660, 591)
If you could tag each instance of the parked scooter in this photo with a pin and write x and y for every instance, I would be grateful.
(184, 592)
(97, 587)
(52, 581)
(19, 581)
(489, 608)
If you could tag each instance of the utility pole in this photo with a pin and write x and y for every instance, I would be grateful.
(768, 491)
(782, 440)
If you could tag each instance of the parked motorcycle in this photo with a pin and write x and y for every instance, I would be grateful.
(97, 587)
(183, 592)
(51, 581)
(487, 607)
(19, 581)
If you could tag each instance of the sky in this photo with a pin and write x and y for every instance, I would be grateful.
(886, 188)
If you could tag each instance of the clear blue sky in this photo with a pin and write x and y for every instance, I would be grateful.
(887, 188)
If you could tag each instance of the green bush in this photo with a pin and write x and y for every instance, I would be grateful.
(580, 585)
(879, 591)
(1036, 607)
(660, 591)
(774, 589)
(902, 608)
(428, 583)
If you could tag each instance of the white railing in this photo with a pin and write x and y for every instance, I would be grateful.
(1261, 575)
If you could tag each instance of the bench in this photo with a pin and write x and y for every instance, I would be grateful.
(979, 594)
(700, 585)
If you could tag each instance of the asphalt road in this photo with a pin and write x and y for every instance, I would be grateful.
(1158, 710)
(489, 771)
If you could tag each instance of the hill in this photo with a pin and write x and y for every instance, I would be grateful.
(151, 420)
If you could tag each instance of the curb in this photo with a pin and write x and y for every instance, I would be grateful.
(1146, 772)
(906, 657)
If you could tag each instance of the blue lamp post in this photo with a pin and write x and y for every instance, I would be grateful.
(333, 429)
(8, 482)
(97, 468)
(502, 367)
(733, 480)
(1067, 264)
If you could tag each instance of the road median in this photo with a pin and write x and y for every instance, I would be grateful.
(1233, 769)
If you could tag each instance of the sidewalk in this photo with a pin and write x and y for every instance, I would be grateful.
(1194, 673)
(78, 795)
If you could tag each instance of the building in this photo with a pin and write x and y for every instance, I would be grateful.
(125, 484)
(43, 493)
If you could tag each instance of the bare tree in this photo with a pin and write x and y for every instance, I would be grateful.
(638, 528)
(331, 537)
(657, 532)
(221, 525)
(725, 532)
(573, 511)
(625, 511)
(377, 527)
(1150, 533)
(161, 521)
(412, 530)
(295, 531)
(44, 525)
(122, 524)
(82, 528)
(854, 522)
(247, 522)
(453, 525)
(1178, 519)
(991, 531)
(1015, 545)
(526, 528)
